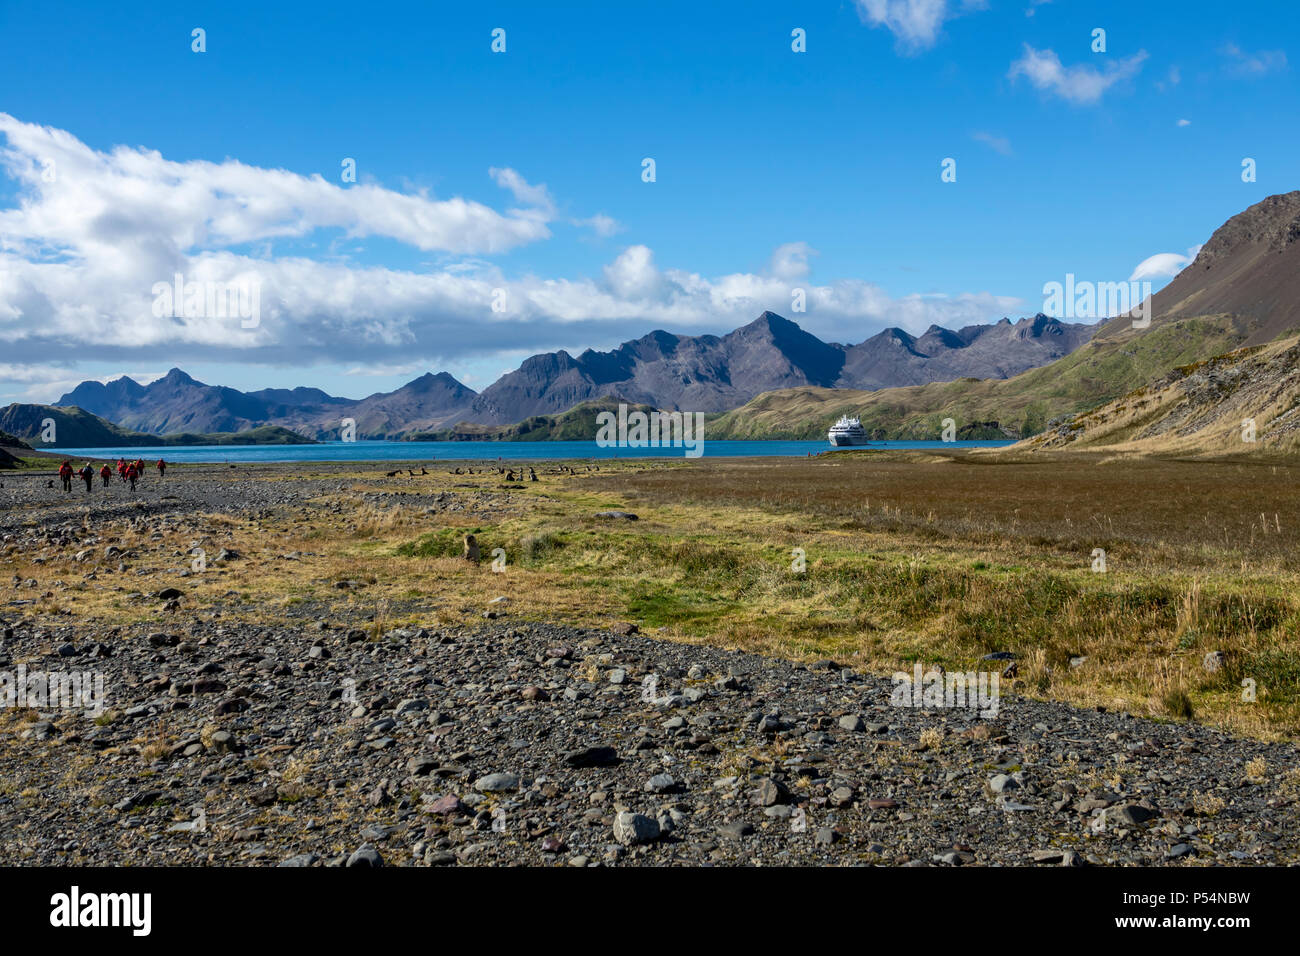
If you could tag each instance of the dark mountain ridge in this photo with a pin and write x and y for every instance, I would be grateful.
(706, 373)
(711, 373)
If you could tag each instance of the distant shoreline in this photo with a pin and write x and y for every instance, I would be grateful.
(398, 452)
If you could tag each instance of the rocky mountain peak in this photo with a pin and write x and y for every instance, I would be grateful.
(1272, 222)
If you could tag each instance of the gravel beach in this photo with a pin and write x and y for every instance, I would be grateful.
(321, 738)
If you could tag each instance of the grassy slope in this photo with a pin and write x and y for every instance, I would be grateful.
(77, 428)
(1103, 369)
(1198, 409)
(576, 424)
(74, 427)
(263, 435)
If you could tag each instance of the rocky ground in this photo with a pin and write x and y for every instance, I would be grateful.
(330, 741)
(236, 489)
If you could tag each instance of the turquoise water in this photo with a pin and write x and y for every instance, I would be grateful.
(474, 451)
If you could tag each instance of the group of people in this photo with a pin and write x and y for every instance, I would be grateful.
(129, 472)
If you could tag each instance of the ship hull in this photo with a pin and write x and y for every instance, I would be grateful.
(846, 441)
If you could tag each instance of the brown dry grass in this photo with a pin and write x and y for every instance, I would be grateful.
(932, 558)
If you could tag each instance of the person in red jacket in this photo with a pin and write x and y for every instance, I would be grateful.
(162, 467)
(132, 475)
(105, 474)
(65, 476)
(121, 469)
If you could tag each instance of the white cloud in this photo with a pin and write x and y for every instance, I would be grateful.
(914, 23)
(790, 261)
(1184, 122)
(601, 224)
(79, 259)
(1254, 64)
(407, 368)
(540, 205)
(1076, 84)
(633, 275)
(45, 383)
(998, 144)
(1163, 265)
(32, 373)
(131, 205)
(537, 199)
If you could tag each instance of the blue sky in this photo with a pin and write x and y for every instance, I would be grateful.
(774, 170)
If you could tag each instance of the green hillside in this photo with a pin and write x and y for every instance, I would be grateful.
(76, 428)
(576, 424)
(1115, 362)
(262, 435)
(10, 441)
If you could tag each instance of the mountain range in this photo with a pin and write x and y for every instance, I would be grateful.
(705, 373)
(771, 379)
(77, 428)
(1241, 290)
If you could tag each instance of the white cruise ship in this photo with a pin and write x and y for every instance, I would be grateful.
(847, 431)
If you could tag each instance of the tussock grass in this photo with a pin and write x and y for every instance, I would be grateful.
(1116, 360)
(936, 559)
